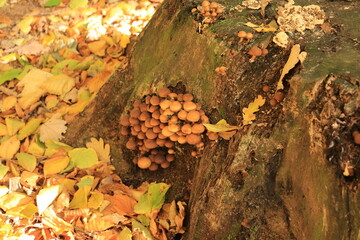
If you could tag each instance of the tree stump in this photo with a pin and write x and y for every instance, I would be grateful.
(281, 177)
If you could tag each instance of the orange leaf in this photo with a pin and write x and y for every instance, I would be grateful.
(120, 203)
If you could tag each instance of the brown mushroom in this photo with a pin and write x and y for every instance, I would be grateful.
(169, 144)
(135, 113)
(266, 88)
(144, 162)
(249, 36)
(163, 92)
(134, 121)
(150, 143)
(124, 131)
(165, 104)
(264, 52)
(182, 115)
(181, 139)
(214, 5)
(150, 134)
(279, 96)
(160, 142)
(241, 35)
(156, 114)
(166, 132)
(131, 144)
(155, 100)
(175, 106)
(254, 52)
(205, 3)
(159, 158)
(124, 121)
(156, 129)
(186, 128)
(141, 135)
(170, 157)
(153, 167)
(189, 106)
(193, 116)
(174, 137)
(193, 139)
(187, 97)
(154, 122)
(197, 128)
(136, 103)
(212, 135)
(173, 127)
(165, 164)
(163, 118)
(144, 115)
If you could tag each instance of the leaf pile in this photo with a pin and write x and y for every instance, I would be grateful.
(57, 191)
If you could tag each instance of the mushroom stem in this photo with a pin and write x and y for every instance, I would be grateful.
(252, 59)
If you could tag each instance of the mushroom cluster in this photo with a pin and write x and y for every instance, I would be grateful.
(256, 52)
(158, 122)
(244, 35)
(210, 11)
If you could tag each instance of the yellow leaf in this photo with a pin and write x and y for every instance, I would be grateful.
(80, 199)
(79, 106)
(3, 170)
(3, 190)
(101, 78)
(101, 149)
(97, 223)
(95, 200)
(14, 199)
(265, 29)
(58, 84)
(125, 234)
(31, 83)
(83, 157)
(25, 24)
(290, 64)
(56, 164)
(68, 184)
(124, 41)
(13, 125)
(3, 130)
(98, 47)
(58, 225)
(8, 58)
(46, 196)
(27, 161)
(9, 147)
(29, 128)
(29, 179)
(221, 126)
(8, 103)
(48, 39)
(35, 149)
(248, 113)
(25, 211)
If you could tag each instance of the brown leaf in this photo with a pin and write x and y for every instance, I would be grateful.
(121, 204)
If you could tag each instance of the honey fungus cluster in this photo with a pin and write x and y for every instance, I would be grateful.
(159, 121)
(210, 11)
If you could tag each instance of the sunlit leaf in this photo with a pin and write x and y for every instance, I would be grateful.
(249, 112)
(9, 75)
(13, 125)
(101, 149)
(61, 65)
(3, 190)
(14, 199)
(46, 196)
(58, 225)
(27, 161)
(97, 223)
(8, 103)
(68, 184)
(121, 204)
(124, 41)
(138, 227)
(29, 128)
(221, 126)
(3, 130)
(95, 200)
(125, 234)
(98, 47)
(52, 129)
(24, 211)
(52, 146)
(290, 64)
(3, 170)
(8, 58)
(29, 179)
(153, 199)
(52, 3)
(56, 164)
(83, 157)
(2, 3)
(9, 147)
(25, 24)
(58, 84)
(80, 199)
(78, 3)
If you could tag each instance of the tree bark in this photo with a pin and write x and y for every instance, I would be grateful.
(281, 177)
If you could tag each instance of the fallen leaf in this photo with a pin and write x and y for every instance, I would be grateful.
(49, 219)
(55, 165)
(14, 199)
(52, 3)
(9, 75)
(249, 112)
(121, 204)
(46, 196)
(52, 129)
(58, 84)
(83, 157)
(138, 227)
(97, 223)
(29, 128)
(98, 47)
(78, 4)
(95, 200)
(27, 161)
(101, 149)
(13, 125)
(32, 48)
(3, 170)
(9, 147)
(227, 135)
(80, 199)
(25, 24)
(153, 199)
(8, 103)
(220, 126)
(290, 64)
(125, 234)
(24, 211)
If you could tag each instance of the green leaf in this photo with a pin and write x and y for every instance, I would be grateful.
(3, 170)
(61, 65)
(27, 161)
(78, 3)
(86, 181)
(52, 146)
(9, 75)
(96, 67)
(153, 199)
(83, 157)
(138, 227)
(52, 3)
(29, 128)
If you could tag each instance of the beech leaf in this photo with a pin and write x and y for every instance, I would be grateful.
(58, 84)
(9, 147)
(13, 125)
(80, 199)
(138, 227)
(29, 128)
(25, 211)
(3, 170)
(125, 234)
(46, 196)
(9, 75)
(27, 161)
(78, 3)
(8, 103)
(52, 3)
(56, 164)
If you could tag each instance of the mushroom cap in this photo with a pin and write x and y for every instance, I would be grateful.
(165, 104)
(174, 137)
(241, 34)
(124, 131)
(205, 3)
(169, 144)
(189, 106)
(144, 162)
(214, 5)
(150, 134)
(193, 116)
(144, 115)
(273, 102)
(182, 115)
(163, 118)
(166, 132)
(188, 97)
(255, 51)
(174, 127)
(172, 95)
(136, 103)
(156, 114)
(264, 52)
(170, 157)
(356, 136)
(181, 139)
(159, 158)
(150, 143)
(165, 164)
(153, 167)
(160, 142)
(163, 92)
(266, 88)
(134, 121)
(156, 129)
(124, 121)
(131, 144)
(154, 122)
(186, 128)
(155, 100)
(212, 135)
(175, 106)
(197, 128)
(249, 35)
(279, 96)
(193, 139)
